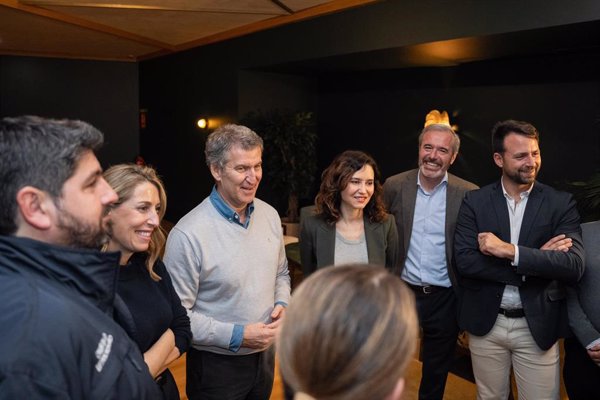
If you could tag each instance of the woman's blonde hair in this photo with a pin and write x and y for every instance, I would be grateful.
(349, 333)
(124, 178)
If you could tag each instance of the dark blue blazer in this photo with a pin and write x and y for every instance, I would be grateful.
(541, 275)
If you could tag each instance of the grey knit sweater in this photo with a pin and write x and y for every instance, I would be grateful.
(226, 274)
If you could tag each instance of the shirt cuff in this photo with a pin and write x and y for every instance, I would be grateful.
(594, 343)
(281, 303)
(515, 262)
(236, 338)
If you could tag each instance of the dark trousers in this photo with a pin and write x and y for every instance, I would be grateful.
(439, 327)
(213, 376)
(581, 375)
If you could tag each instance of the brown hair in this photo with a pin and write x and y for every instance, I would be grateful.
(349, 333)
(334, 180)
(504, 128)
(124, 178)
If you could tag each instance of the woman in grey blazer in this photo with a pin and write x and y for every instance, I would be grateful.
(349, 224)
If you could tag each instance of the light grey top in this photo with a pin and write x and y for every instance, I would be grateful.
(226, 274)
(350, 251)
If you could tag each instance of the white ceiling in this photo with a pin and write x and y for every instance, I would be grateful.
(134, 30)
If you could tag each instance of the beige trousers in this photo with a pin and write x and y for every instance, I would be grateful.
(537, 372)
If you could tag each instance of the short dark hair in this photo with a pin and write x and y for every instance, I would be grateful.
(336, 177)
(42, 153)
(503, 128)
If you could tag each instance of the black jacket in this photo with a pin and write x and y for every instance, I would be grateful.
(58, 338)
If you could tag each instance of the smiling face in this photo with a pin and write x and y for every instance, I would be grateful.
(435, 156)
(238, 180)
(79, 209)
(357, 194)
(520, 161)
(131, 223)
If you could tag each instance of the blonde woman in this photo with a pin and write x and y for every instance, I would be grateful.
(153, 315)
(349, 333)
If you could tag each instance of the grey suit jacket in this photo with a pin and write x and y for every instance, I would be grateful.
(400, 197)
(583, 299)
(317, 243)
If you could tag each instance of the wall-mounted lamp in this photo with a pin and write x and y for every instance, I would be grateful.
(437, 117)
(202, 123)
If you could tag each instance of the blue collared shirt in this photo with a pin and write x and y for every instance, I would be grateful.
(226, 211)
(426, 258)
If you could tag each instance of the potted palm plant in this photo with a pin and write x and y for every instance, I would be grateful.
(290, 153)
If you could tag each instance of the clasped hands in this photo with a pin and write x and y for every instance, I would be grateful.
(594, 354)
(260, 335)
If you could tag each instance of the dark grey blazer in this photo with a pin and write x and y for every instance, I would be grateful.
(400, 197)
(583, 299)
(317, 243)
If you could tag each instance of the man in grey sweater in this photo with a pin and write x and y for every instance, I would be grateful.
(227, 261)
(582, 352)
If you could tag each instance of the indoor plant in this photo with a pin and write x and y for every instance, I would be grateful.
(290, 154)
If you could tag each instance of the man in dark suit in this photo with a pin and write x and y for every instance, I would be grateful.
(425, 204)
(517, 243)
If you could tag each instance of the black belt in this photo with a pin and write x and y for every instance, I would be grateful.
(512, 313)
(427, 289)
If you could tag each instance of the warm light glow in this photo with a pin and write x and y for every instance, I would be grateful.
(437, 117)
(202, 123)
(440, 117)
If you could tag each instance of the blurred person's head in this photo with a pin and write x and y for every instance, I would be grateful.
(52, 185)
(351, 182)
(349, 333)
(234, 156)
(133, 222)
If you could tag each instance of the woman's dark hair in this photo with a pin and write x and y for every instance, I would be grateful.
(336, 177)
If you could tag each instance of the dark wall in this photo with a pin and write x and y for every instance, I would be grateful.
(224, 80)
(210, 82)
(383, 112)
(386, 122)
(104, 94)
(266, 91)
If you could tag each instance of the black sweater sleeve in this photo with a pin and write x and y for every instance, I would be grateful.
(180, 325)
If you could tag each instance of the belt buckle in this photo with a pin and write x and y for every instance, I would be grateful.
(427, 289)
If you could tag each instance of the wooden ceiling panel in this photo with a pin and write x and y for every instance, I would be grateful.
(298, 5)
(133, 30)
(25, 34)
(236, 6)
(172, 27)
